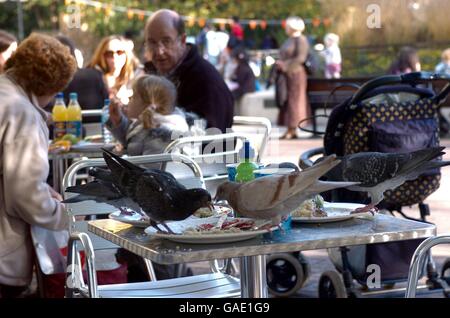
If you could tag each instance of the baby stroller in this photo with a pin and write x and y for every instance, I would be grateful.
(387, 114)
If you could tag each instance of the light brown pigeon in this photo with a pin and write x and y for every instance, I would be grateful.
(275, 196)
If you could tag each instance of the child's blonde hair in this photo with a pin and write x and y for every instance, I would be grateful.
(156, 92)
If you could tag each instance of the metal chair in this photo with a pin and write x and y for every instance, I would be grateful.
(417, 263)
(177, 165)
(187, 172)
(215, 285)
(256, 129)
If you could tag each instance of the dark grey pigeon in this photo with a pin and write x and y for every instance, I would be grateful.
(378, 172)
(156, 192)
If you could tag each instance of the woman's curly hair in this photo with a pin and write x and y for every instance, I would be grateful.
(41, 65)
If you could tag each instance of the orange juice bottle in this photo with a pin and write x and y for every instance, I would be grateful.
(74, 123)
(59, 115)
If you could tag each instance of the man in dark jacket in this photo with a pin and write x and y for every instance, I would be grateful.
(200, 87)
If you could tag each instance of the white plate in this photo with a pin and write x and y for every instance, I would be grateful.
(139, 220)
(134, 219)
(181, 226)
(336, 211)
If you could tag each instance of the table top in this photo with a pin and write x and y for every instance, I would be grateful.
(380, 229)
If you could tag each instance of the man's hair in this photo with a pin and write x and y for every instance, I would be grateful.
(178, 24)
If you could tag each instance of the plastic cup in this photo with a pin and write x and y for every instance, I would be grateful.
(231, 169)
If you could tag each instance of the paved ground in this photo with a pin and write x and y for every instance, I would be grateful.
(280, 151)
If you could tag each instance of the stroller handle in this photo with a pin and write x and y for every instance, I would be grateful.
(409, 78)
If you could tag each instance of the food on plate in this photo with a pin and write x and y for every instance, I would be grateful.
(231, 226)
(94, 138)
(311, 208)
(203, 212)
(60, 145)
(206, 212)
(72, 138)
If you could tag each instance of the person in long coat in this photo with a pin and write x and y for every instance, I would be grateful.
(293, 55)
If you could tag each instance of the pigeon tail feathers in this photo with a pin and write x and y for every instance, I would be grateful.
(419, 157)
(122, 162)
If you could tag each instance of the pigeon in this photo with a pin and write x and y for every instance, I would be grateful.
(275, 196)
(102, 190)
(378, 172)
(160, 196)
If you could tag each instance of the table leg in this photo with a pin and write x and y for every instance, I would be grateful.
(253, 276)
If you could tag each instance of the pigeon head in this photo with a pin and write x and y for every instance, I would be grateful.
(196, 199)
(224, 191)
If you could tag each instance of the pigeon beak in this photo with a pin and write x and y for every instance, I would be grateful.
(211, 207)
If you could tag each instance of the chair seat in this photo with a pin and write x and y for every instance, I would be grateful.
(215, 285)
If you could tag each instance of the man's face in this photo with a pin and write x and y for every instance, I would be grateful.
(164, 45)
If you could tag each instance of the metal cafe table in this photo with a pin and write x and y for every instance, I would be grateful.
(252, 252)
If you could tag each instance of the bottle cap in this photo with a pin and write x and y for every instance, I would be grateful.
(60, 95)
(107, 102)
(247, 152)
(73, 95)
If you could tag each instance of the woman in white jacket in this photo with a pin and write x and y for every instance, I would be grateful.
(39, 69)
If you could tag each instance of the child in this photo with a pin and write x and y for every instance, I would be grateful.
(151, 122)
(444, 66)
(152, 119)
(332, 55)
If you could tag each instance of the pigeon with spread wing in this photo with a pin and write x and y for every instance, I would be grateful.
(156, 192)
(378, 172)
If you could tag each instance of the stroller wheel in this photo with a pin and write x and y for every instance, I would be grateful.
(445, 274)
(331, 285)
(305, 265)
(284, 274)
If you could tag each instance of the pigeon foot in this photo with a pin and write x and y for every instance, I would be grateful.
(368, 208)
(167, 228)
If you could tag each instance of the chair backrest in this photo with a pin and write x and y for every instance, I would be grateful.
(178, 166)
(212, 153)
(256, 129)
(92, 121)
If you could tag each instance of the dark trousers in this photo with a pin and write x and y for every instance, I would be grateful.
(7, 291)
